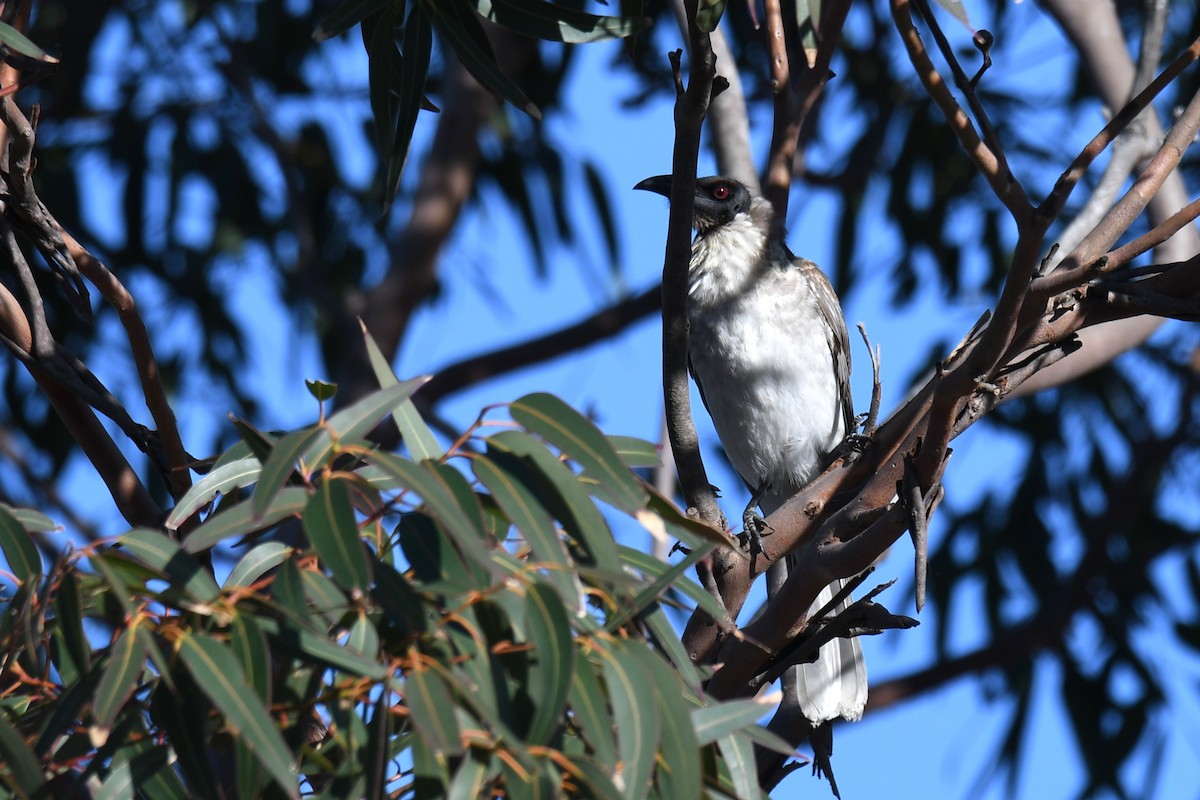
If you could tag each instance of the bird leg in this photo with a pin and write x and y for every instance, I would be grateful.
(754, 526)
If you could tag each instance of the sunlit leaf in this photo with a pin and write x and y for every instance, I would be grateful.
(241, 520)
(19, 550)
(553, 666)
(331, 527)
(556, 22)
(432, 711)
(126, 662)
(280, 466)
(257, 561)
(14, 40)
(578, 437)
(414, 432)
(165, 555)
(635, 712)
(221, 480)
(218, 673)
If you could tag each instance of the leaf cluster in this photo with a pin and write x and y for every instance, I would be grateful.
(442, 623)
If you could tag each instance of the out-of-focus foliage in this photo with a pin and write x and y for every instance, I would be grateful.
(455, 626)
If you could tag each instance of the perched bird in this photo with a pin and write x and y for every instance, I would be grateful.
(769, 352)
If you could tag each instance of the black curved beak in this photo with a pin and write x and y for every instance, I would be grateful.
(659, 184)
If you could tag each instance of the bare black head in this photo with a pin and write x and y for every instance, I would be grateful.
(718, 200)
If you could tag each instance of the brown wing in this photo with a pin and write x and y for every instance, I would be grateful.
(835, 334)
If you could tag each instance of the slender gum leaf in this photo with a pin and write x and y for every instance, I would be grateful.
(635, 712)
(597, 779)
(553, 667)
(331, 527)
(260, 443)
(279, 467)
(557, 23)
(355, 421)
(346, 16)
(126, 662)
(414, 433)
(460, 28)
(222, 480)
(240, 520)
(20, 762)
(590, 707)
(650, 565)
(166, 556)
(13, 39)
(652, 592)
(417, 47)
(249, 646)
(578, 438)
(320, 649)
(68, 634)
(439, 498)
(19, 550)
(738, 752)
(679, 770)
(257, 561)
(531, 519)
(576, 511)
(218, 673)
(431, 707)
(32, 521)
(383, 59)
(713, 722)
(635, 452)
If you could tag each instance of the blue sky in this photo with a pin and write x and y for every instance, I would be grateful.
(937, 746)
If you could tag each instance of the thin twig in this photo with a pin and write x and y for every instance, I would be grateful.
(872, 423)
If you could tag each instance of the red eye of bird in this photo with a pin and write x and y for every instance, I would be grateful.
(720, 191)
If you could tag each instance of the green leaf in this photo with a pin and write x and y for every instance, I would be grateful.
(553, 666)
(738, 752)
(689, 530)
(13, 39)
(346, 16)
(166, 556)
(590, 706)
(715, 721)
(73, 654)
(280, 466)
(635, 712)
(249, 646)
(20, 762)
(471, 780)
(354, 422)
(175, 713)
(32, 521)
(377, 761)
(241, 520)
(679, 770)
(460, 28)
(635, 452)
(557, 23)
(577, 437)
(363, 637)
(256, 562)
(319, 648)
(19, 550)
(439, 498)
(222, 480)
(321, 390)
(666, 637)
(260, 443)
(331, 527)
(414, 432)
(597, 780)
(418, 46)
(431, 707)
(324, 596)
(540, 783)
(126, 662)
(708, 14)
(650, 565)
(218, 673)
(526, 512)
(664, 580)
(564, 497)
(956, 9)
(399, 601)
